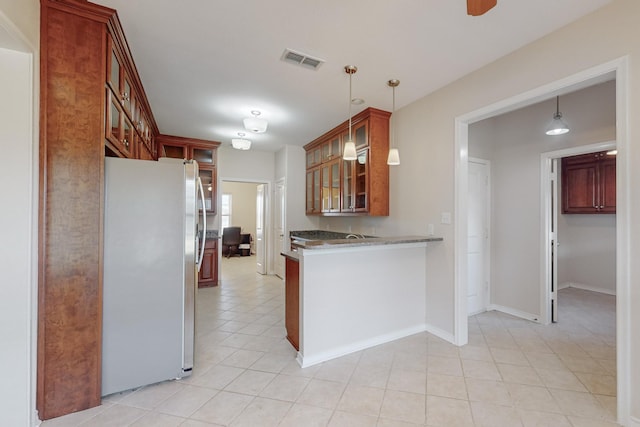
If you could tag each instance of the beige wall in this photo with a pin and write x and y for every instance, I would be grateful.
(243, 205)
(23, 15)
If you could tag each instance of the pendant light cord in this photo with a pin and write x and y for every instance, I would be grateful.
(350, 75)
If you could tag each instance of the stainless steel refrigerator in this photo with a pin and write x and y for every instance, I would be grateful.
(150, 271)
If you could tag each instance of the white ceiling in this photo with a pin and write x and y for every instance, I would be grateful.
(205, 64)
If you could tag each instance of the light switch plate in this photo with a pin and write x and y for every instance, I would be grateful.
(445, 218)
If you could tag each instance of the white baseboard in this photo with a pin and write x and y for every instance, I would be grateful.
(440, 333)
(514, 312)
(634, 422)
(306, 361)
(586, 288)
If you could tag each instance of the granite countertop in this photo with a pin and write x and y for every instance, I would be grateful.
(318, 239)
(211, 234)
(320, 235)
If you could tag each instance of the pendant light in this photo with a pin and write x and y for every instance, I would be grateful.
(349, 152)
(240, 143)
(393, 158)
(557, 125)
(255, 124)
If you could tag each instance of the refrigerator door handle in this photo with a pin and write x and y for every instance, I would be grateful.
(204, 224)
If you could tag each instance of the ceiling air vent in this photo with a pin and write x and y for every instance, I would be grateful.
(301, 59)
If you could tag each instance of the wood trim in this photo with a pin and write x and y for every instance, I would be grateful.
(363, 115)
(170, 139)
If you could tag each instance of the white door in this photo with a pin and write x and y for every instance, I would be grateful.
(279, 213)
(477, 236)
(261, 255)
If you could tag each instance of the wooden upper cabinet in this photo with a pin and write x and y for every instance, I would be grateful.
(130, 128)
(589, 184)
(202, 151)
(355, 187)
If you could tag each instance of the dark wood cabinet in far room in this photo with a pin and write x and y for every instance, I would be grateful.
(202, 151)
(208, 275)
(589, 184)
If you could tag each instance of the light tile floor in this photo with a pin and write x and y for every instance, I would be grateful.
(512, 372)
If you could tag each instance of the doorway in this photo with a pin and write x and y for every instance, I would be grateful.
(619, 68)
(243, 204)
(553, 231)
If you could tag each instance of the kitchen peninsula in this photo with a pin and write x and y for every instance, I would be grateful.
(348, 292)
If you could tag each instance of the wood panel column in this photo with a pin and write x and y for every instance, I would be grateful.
(72, 79)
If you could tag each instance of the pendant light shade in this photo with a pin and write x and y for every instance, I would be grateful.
(557, 125)
(393, 159)
(240, 143)
(255, 124)
(349, 152)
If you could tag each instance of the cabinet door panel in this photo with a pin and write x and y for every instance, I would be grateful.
(608, 185)
(361, 134)
(203, 155)
(316, 191)
(335, 185)
(309, 192)
(361, 165)
(208, 177)
(580, 192)
(347, 186)
(326, 194)
(589, 184)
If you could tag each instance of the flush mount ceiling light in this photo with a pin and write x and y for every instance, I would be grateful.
(240, 143)
(349, 152)
(255, 124)
(557, 125)
(393, 158)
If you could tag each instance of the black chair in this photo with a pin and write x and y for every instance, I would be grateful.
(230, 240)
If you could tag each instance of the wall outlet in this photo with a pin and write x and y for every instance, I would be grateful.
(349, 229)
(445, 218)
(431, 230)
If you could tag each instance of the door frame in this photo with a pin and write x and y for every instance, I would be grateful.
(619, 68)
(546, 214)
(283, 214)
(487, 241)
(266, 220)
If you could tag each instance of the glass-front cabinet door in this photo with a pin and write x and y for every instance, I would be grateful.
(334, 169)
(205, 156)
(309, 192)
(347, 186)
(326, 193)
(331, 149)
(331, 186)
(361, 134)
(208, 177)
(314, 194)
(361, 187)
